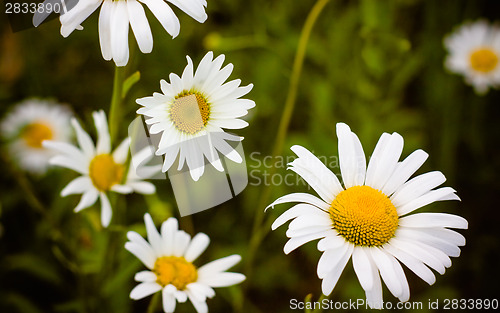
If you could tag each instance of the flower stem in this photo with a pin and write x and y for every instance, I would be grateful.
(258, 232)
(116, 109)
(320, 300)
(154, 302)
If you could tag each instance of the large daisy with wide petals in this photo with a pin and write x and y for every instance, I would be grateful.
(101, 170)
(116, 15)
(474, 52)
(370, 218)
(169, 256)
(28, 125)
(192, 111)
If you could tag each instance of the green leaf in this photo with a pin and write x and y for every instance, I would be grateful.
(34, 265)
(129, 82)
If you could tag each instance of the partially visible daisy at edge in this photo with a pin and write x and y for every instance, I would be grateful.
(474, 52)
(369, 219)
(169, 256)
(30, 123)
(101, 170)
(116, 15)
(191, 113)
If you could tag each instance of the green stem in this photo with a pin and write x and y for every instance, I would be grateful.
(154, 302)
(116, 109)
(320, 300)
(257, 232)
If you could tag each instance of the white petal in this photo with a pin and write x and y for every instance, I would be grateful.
(384, 161)
(416, 187)
(143, 253)
(105, 29)
(440, 194)
(119, 33)
(332, 241)
(84, 140)
(140, 26)
(414, 264)
(88, 198)
(143, 290)
(295, 211)
(103, 139)
(404, 170)
(181, 242)
(106, 211)
(67, 162)
(333, 276)
(352, 157)
(154, 237)
(325, 174)
(168, 295)
(121, 152)
(224, 279)
(168, 230)
(200, 306)
(78, 185)
(374, 296)
(165, 16)
(301, 197)
(434, 220)
(66, 149)
(416, 235)
(219, 265)
(143, 187)
(296, 242)
(420, 254)
(196, 247)
(386, 269)
(331, 258)
(145, 276)
(363, 268)
(304, 221)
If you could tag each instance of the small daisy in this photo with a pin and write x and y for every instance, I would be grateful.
(28, 125)
(170, 256)
(191, 112)
(102, 171)
(116, 15)
(368, 218)
(474, 51)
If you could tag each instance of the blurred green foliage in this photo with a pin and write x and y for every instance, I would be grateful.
(376, 65)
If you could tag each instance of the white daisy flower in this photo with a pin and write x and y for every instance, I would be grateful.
(101, 171)
(116, 15)
(28, 125)
(368, 218)
(169, 257)
(474, 52)
(191, 112)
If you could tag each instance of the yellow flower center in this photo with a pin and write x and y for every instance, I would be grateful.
(483, 60)
(364, 216)
(176, 271)
(190, 112)
(35, 133)
(104, 172)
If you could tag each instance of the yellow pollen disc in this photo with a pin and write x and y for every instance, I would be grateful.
(34, 134)
(364, 216)
(483, 60)
(104, 172)
(176, 271)
(190, 112)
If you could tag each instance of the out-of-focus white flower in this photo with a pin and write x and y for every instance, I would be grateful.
(28, 125)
